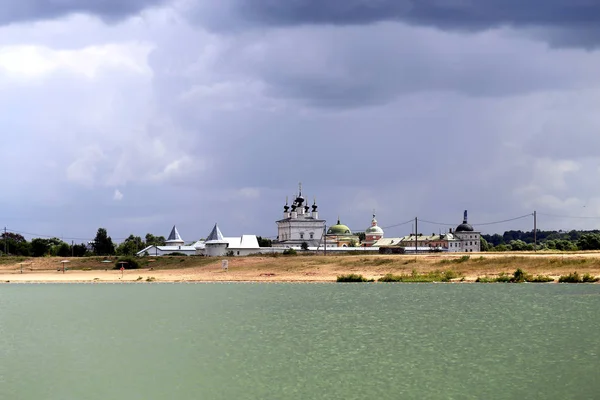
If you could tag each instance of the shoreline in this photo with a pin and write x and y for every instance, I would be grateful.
(301, 268)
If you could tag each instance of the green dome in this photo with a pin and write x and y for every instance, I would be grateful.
(339, 229)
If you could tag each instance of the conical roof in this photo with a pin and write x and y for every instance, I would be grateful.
(215, 235)
(174, 236)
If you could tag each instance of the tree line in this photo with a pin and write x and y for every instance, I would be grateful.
(15, 244)
(546, 240)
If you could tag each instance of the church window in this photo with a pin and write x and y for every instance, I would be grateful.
(312, 235)
(302, 236)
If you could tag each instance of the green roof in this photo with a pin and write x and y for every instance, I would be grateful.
(339, 229)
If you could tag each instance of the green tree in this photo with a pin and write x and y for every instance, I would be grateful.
(130, 246)
(519, 245)
(304, 246)
(264, 242)
(63, 250)
(103, 244)
(485, 246)
(15, 244)
(352, 243)
(152, 240)
(361, 236)
(589, 241)
(80, 250)
(40, 247)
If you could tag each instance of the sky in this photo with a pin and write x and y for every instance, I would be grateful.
(136, 116)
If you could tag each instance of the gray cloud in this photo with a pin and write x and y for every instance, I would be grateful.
(577, 20)
(354, 67)
(33, 10)
(411, 121)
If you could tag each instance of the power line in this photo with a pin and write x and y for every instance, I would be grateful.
(566, 216)
(435, 223)
(39, 235)
(505, 220)
(400, 224)
(480, 224)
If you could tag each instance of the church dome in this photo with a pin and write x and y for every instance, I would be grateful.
(374, 230)
(339, 229)
(464, 227)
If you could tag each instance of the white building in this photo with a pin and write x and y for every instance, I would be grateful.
(469, 239)
(462, 239)
(173, 244)
(217, 245)
(300, 224)
(373, 233)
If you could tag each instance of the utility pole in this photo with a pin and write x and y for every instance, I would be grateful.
(416, 235)
(325, 239)
(534, 230)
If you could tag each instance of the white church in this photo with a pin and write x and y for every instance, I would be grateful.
(300, 223)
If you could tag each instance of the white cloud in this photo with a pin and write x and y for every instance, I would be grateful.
(85, 167)
(249, 193)
(31, 61)
(117, 196)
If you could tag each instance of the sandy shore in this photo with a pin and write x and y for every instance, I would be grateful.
(315, 268)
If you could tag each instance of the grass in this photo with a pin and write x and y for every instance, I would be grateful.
(519, 276)
(460, 260)
(434, 276)
(12, 259)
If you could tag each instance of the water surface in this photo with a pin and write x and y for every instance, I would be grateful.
(299, 341)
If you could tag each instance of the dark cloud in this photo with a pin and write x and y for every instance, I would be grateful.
(369, 66)
(580, 18)
(33, 10)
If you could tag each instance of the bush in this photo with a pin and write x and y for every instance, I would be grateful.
(131, 263)
(353, 278)
(503, 278)
(519, 276)
(576, 278)
(290, 252)
(176, 254)
(540, 279)
(571, 278)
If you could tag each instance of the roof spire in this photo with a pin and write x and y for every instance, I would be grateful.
(299, 188)
(465, 217)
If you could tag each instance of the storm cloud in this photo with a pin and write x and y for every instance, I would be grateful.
(136, 116)
(561, 21)
(35, 10)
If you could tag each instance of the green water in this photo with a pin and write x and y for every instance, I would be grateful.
(299, 341)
